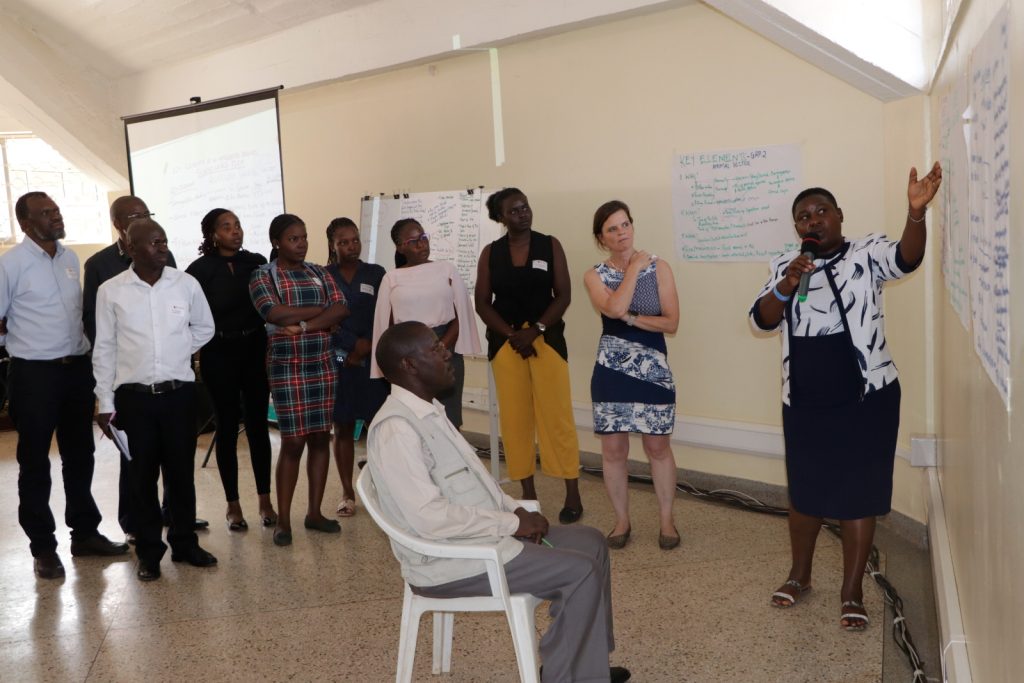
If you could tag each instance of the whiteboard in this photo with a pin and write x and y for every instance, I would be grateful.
(456, 221)
(183, 165)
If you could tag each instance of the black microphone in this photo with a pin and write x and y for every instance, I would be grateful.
(808, 248)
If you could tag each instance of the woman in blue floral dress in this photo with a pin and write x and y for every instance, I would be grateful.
(632, 388)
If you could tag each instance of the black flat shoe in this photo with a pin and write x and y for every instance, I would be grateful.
(328, 526)
(197, 557)
(282, 538)
(616, 674)
(240, 525)
(97, 545)
(48, 567)
(197, 525)
(570, 515)
(148, 571)
(269, 520)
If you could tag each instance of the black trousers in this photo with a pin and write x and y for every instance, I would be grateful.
(125, 517)
(161, 433)
(234, 367)
(47, 397)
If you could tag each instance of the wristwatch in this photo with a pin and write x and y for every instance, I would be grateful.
(302, 324)
(541, 326)
(631, 318)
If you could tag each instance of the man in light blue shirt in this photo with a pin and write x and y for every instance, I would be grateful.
(50, 384)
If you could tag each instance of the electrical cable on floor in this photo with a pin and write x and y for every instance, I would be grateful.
(900, 632)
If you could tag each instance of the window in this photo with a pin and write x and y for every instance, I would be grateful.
(29, 164)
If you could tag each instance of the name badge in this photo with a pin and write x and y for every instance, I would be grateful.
(71, 273)
(178, 309)
(540, 265)
(366, 288)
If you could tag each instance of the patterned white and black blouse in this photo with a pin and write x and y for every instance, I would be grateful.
(854, 275)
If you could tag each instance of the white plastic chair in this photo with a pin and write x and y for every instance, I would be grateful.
(519, 608)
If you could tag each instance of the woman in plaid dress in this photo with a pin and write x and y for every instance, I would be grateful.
(301, 305)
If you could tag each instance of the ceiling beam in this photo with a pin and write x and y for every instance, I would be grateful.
(68, 105)
(788, 33)
(365, 40)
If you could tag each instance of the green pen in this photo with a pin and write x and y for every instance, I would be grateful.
(546, 542)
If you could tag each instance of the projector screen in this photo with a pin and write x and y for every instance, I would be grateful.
(224, 153)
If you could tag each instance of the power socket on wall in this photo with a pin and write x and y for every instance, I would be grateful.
(923, 450)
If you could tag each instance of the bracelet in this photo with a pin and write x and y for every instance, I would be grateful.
(779, 295)
(917, 220)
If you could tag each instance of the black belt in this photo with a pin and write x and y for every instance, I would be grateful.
(158, 388)
(237, 334)
(63, 360)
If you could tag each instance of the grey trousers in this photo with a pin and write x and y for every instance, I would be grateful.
(575, 576)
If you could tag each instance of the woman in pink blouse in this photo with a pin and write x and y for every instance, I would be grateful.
(430, 292)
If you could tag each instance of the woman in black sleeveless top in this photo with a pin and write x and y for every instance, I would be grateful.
(522, 291)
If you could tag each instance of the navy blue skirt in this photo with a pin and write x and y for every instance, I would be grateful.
(358, 397)
(840, 448)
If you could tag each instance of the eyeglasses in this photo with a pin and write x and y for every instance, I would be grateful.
(425, 238)
(139, 214)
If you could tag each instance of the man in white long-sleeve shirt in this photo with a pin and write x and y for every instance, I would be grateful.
(150, 319)
(432, 484)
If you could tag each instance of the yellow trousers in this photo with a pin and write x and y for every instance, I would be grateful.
(535, 406)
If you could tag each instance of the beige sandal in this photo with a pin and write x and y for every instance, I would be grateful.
(347, 507)
(855, 616)
(784, 600)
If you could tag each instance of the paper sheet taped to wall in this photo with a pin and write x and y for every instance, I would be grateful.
(733, 205)
(987, 134)
(950, 211)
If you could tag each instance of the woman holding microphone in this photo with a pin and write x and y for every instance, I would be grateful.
(840, 392)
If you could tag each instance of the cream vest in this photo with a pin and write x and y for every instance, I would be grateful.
(457, 472)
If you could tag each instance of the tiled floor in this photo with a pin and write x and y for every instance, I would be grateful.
(327, 608)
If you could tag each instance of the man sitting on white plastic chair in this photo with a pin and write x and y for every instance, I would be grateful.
(431, 482)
